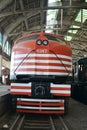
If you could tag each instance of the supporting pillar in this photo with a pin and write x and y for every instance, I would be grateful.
(0, 69)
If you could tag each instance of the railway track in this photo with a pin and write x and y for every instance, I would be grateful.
(39, 122)
(6, 120)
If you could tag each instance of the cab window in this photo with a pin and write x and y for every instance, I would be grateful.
(33, 37)
(55, 39)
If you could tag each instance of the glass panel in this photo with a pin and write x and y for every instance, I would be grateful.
(68, 38)
(74, 27)
(7, 48)
(52, 15)
(78, 18)
(34, 37)
(0, 39)
(55, 39)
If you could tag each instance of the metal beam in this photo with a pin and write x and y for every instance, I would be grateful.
(83, 37)
(22, 8)
(38, 28)
(41, 14)
(4, 3)
(11, 26)
(78, 40)
(82, 6)
(82, 50)
(33, 30)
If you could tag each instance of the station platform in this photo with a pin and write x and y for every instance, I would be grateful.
(4, 90)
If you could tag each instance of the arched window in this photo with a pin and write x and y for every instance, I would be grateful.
(0, 39)
(7, 48)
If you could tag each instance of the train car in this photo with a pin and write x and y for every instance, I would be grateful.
(79, 85)
(41, 71)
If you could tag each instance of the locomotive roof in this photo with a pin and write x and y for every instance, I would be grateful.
(41, 33)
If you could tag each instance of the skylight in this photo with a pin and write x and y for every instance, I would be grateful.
(84, 16)
(0, 38)
(74, 29)
(81, 18)
(68, 38)
(51, 15)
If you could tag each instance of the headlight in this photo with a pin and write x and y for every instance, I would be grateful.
(39, 42)
(45, 42)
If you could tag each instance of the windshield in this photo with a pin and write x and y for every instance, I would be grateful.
(33, 37)
(49, 37)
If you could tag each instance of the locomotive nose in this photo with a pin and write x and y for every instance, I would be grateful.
(42, 40)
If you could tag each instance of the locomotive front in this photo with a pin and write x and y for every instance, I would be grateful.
(41, 69)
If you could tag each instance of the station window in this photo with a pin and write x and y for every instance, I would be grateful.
(0, 39)
(82, 15)
(7, 48)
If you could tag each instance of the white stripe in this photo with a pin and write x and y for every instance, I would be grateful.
(60, 91)
(21, 84)
(60, 85)
(44, 67)
(21, 90)
(42, 61)
(52, 85)
(41, 108)
(42, 55)
(40, 100)
(43, 73)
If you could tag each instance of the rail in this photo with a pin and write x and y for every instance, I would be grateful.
(39, 122)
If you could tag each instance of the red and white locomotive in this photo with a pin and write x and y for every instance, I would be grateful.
(41, 69)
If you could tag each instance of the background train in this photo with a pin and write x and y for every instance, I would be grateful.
(41, 71)
(79, 85)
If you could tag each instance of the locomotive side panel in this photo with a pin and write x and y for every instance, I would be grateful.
(79, 85)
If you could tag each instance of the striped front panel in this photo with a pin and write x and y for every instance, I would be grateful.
(41, 64)
(44, 106)
(61, 89)
(21, 89)
(55, 89)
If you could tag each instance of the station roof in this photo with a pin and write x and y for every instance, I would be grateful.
(64, 17)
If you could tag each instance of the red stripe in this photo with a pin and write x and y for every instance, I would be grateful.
(27, 103)
(41, 112)
(19, 87)
(61, 94)
(43, 70)
(38, 104)
(21, 93)
(43, 64)
(53, 104)
(43, 58)
(55, 88)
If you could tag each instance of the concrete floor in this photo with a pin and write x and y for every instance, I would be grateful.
(77, 115)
